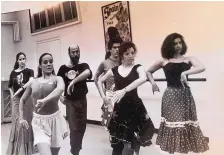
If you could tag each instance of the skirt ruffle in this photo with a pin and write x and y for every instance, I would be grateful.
(179, 129)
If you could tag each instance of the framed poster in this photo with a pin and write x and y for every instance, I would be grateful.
(116, 21)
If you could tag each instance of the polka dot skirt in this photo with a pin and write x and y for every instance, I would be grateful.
(179, 130)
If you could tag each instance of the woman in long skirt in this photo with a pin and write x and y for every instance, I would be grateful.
(179, 130)
(20, 140)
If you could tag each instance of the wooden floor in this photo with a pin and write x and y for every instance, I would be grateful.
(95, 142)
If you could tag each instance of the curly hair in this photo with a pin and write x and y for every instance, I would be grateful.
(167, 49)
(124, 47)
(110, 45)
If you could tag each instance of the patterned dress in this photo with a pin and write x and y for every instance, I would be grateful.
(109, 87)
(179, 129)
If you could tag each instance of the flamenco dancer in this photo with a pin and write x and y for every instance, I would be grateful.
(179, 130)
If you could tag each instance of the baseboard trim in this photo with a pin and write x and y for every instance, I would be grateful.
(94, 122)
(6, 122)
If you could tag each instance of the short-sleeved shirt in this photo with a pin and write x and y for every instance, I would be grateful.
(68, 74)
(18, 79)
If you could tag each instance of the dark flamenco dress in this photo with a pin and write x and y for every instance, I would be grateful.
(130, 121)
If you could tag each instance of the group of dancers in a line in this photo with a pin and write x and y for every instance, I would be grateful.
(38, 121)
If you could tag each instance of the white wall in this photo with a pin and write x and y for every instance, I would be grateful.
(8, 16)
(88, 35)
(200, 23)
(8, 51)
(8, 46)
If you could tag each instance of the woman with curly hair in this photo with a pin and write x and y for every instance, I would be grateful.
(130, 125)
(179, 130)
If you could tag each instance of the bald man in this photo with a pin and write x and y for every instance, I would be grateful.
(74, 75)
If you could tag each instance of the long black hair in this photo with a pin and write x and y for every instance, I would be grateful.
(16, 66)
(39, 70)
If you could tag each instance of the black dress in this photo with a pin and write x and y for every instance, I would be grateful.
(130, 121)
(179, 129)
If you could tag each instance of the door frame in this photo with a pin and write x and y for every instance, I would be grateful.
(15, 27)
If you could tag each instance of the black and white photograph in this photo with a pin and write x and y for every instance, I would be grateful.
(112, 78)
